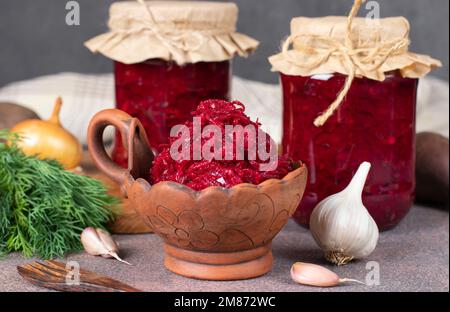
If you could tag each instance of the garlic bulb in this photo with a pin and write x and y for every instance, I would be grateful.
(342, 226)
(98, 242)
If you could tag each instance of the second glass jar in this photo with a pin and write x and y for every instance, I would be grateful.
(162, 94)
(376, 123)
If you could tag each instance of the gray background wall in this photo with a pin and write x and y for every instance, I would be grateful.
(34, 39)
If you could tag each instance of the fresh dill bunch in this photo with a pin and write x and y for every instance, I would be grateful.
(43, 208)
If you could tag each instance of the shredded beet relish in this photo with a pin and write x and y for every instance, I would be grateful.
(375, 123)
(163, 94)
(200, 174)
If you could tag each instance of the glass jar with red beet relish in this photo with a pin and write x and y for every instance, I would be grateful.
(362, 109)
(166, 95)
(376, 123)
(169, 56)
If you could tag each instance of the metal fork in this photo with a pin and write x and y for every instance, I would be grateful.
(54, 275)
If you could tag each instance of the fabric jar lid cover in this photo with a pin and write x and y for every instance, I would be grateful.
(182, 31)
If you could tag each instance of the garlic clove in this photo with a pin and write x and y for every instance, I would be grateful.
(315, 275)
(342, 226)
(107, 240)
(110, 245)
(92, 243)
(98, 242)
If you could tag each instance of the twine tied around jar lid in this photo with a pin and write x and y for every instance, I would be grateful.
(352, 46)
(168, 38)
(355, 59)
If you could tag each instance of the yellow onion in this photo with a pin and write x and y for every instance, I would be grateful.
(47, 139)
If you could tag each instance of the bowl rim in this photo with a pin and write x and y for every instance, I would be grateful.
(300, 168)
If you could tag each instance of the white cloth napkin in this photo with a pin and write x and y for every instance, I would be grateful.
(84, 95)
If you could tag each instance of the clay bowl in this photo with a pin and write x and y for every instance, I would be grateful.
(214, 234)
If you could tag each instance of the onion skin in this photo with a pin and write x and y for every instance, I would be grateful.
(47, 139)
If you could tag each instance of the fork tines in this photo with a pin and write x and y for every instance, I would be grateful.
(55, 275)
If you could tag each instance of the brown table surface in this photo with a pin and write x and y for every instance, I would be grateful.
(412, 257)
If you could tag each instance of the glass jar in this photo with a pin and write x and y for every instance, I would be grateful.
(169, 56)
(162, 94)
(375, 123)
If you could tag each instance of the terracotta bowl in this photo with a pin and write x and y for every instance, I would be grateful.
(214, 234)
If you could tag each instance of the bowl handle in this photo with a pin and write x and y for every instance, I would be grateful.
(134, 138)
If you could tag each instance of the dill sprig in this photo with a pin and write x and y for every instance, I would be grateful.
(43, 208)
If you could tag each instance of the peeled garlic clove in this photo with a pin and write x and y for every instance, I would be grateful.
(342, 226)
(315, 275)
(98, 242)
